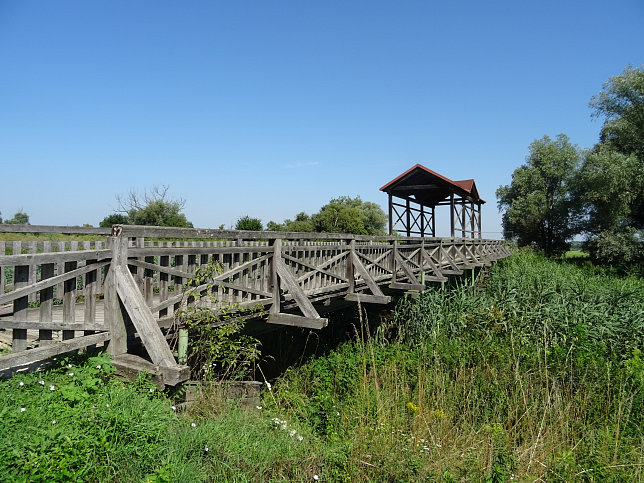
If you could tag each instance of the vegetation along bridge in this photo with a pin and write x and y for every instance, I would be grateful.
(125, 289)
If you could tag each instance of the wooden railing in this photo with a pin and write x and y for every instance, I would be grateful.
(60, 296)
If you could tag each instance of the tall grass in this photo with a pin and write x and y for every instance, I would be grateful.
(539, 377)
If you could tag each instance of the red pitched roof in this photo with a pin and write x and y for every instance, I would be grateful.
(464, 187)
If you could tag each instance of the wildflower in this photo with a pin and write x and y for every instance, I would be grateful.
(268, 385)
(70, 374)
(292, 433)
(205, 450)
(107, 405)
(174, 408)
(283, 425)
(52, 388)
(54, 422)
(69, 366)
(300, 437)
(21, 383)
(316, 477)
(42, 383)
(151, 389)
(193, 425)
(98, 367)
(259, 407)
(22, 410)
(412, 407)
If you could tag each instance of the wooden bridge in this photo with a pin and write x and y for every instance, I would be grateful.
(127, 287)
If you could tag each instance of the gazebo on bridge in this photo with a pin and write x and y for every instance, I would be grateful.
(415, 194)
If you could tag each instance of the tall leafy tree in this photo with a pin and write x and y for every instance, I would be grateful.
(610, 186)
(537, 205)
(248, 223)
(20, 218)
(350, 215)
(154, 208)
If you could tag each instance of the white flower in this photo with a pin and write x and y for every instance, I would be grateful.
(98, 367)
(292, 433)
(21, 383)
(107, 405)
(300, 437)
(42, 383)
(283, 424)
(52, 388)
(268, 385)
(174, 408)
(69, 366)
(22, 410)
(316, 477)
(258, 407)
(193, 425)
(151, 389)
(54, 422)
(70, 374)
(205, 449)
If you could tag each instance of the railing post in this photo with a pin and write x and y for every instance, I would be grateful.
(114, 319)
(275, 281)
(350, 270)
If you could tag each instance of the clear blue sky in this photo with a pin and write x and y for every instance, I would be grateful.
(268, 108)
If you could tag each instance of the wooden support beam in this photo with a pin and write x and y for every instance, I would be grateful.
(143, 320)
(297, 320)
(368, 299)
(408, 273)
(31, 356)
(283, 277)
(407, 286)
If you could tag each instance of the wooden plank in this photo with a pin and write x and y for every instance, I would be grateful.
(69, 300)
(368, 299)
(297, 321)
(65, 230)
(46, 303)
(48, 325)
(406, 286)
(408, 273)
(20, 305)
(53, 257)
(287, 278)
(38, 354)
(366, 277)
(142, 318)
(49, 282)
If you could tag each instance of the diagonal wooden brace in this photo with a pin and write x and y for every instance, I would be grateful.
(285, 277)
(378, 297)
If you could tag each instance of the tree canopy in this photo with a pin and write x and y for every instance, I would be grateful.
(554, 196)
(248, 223)
(537, 203)
(20, 218)
(153, 208)
(340, 215)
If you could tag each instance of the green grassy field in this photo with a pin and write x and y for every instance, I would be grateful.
(534, 374)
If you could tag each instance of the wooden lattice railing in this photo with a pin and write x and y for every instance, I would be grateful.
(60, 296)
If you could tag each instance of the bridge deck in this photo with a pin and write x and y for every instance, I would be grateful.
(90, 290)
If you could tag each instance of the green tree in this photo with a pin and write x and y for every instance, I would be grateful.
(20, 218)
(350, 215)
(114, 219)
(153, 208)
(248, 223)
(610, 184)
(537, 204)
(621, 103)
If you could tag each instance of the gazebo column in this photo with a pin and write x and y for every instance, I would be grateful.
(451, 211)
(391, 215)
(433, 221)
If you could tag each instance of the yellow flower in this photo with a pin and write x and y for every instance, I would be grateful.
(412, 407)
